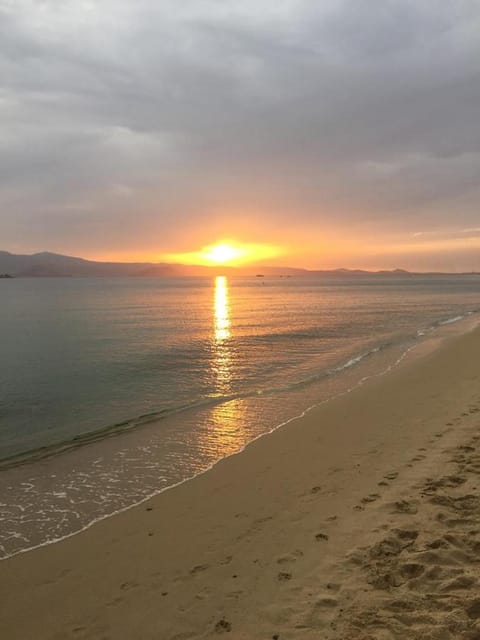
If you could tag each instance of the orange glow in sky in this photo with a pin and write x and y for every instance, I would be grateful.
(325, 248)
(226, 252)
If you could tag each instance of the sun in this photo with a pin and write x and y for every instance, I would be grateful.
(223, 253)
(226, 252)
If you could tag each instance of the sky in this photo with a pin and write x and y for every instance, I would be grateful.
(342, 133)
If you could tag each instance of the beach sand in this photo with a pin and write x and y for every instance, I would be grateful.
(360, 520)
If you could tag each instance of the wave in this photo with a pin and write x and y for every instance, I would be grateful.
(441, 323)
(117, 428)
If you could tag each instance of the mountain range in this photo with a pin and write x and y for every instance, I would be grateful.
(46, 264)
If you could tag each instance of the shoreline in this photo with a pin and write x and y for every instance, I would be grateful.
(251, 546)
(465, 323)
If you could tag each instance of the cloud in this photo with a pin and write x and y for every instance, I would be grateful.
(309, 117)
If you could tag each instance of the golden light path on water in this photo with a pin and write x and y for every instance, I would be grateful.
(224, 416)
(221, 310)
(222, 357)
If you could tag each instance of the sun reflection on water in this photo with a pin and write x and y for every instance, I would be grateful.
(221, 309)
(227, 430)
(222, 357)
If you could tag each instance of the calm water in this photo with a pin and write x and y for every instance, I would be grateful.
(182, 372)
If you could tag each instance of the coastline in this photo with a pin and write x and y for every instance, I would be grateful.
(252, 543)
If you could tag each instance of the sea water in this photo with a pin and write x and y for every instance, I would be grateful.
(112, 390)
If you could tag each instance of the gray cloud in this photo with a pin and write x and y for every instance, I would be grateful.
(137, 118)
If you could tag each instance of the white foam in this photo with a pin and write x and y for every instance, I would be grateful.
(452, 320)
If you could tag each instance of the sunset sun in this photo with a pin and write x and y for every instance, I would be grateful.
(227, 252)
(224, 253)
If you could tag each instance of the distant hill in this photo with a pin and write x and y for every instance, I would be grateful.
(52, 264)
(46, 264)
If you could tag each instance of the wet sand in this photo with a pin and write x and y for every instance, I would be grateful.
(360, 520)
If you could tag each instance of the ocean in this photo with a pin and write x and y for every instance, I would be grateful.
(112, 390)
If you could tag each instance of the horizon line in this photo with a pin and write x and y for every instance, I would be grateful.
(252, 266)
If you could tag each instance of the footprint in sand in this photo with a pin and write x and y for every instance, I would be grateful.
(326, 601)
(125, 586)
(291, 557)
(223, 626)
(468, 504)
(321, 536)
(459, 584)
(441, 562)
(407, 536)
(438, 543)
(473, 610)
(391, 476)
(399, 605)
(466, 448)
(371, 498)
(412, 570)
(198, 569)
(418, 458)
(393, 544)
(283, 576)
(404, 506)
(454, 523)
(444, 482)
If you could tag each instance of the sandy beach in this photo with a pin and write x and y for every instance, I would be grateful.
(360, 520)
